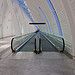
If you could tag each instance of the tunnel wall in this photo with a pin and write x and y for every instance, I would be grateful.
(3, 9)
(72, 7)
(15, 21)
(70, 10)
(46, 14)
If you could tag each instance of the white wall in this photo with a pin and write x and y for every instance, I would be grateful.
(15, 21)
(70, 9)
(3, 9)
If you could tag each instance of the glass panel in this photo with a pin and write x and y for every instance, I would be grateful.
(46, 45)
(49, 42)
(19, 42)
(56, 41)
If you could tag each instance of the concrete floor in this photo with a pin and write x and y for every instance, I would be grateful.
(28, 63)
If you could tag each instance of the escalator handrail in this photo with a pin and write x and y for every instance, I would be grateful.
(13, 40)
(12, 43)
(60, 41)
(25, 42)
(25, 37)
(54, 45)
(49, 41)
(63, 44)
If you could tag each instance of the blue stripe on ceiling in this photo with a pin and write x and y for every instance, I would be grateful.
(55, 16)
(46, 19)
(26, 10)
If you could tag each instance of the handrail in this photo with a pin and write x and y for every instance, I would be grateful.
(63, 45)
(21, 45)
(54, 45)
(33, 36)
(25, 42)
(40, 45)
(49, 41)
(59, 40)
(12, 42)
(12, 45)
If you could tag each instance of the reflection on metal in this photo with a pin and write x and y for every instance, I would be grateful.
(55, 16)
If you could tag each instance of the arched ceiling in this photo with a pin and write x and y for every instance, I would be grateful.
(39, 11)
(50, 12)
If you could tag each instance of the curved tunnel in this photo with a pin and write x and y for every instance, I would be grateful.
(45, 11)
(23, 5)
(36, 36)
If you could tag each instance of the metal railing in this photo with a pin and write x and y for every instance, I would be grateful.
(56, 41)
(20, 41)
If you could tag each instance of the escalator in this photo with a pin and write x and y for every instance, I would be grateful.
(26, 43)
(47, 46)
